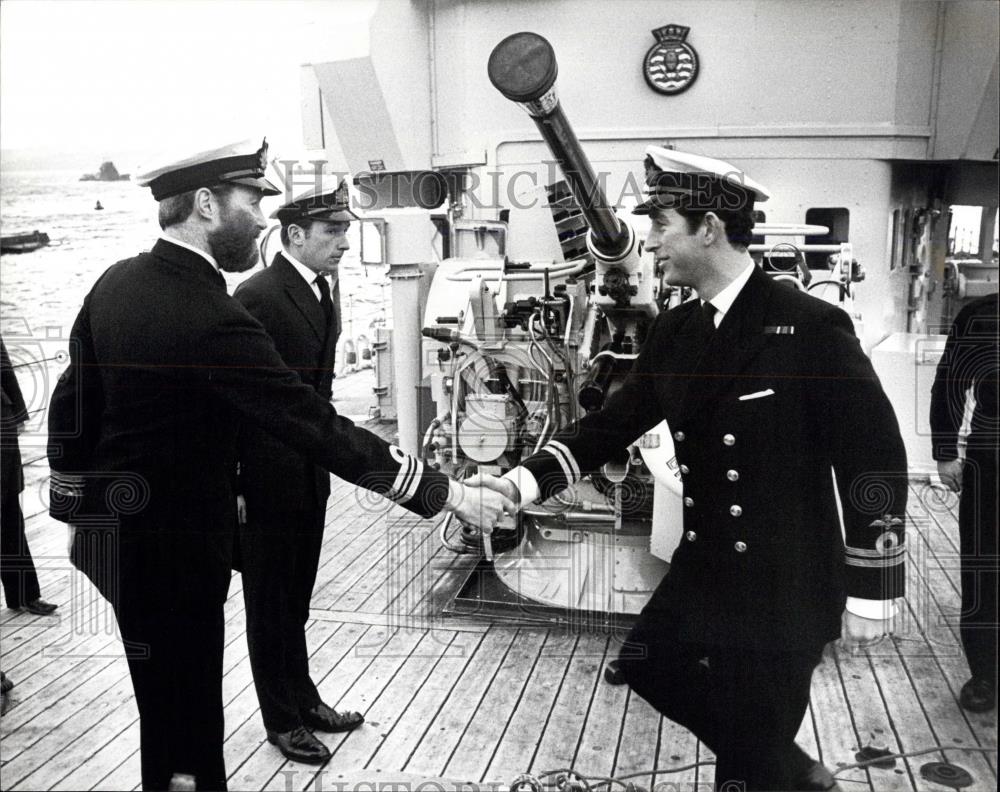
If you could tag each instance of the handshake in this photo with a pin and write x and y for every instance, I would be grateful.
(483, 500)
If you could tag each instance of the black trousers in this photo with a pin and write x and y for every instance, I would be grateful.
(280, 557)
(977, 528)
(167, 589)
(17, 570)
(746, 705)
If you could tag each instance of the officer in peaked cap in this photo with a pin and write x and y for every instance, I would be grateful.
(243, 163)
(329, 204)
(283, 493)
(766, 391)
(227, 185)
(677, 178)
(164, 365)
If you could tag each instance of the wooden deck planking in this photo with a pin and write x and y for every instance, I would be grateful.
(365, 547)
(597, 752)
(416, 719)
(871, 721)
(112, 711)
(640, 742)
(482, 735)
(370, 691)
(102, 761)
(907, 719)
(392, 701)
(944, 722)
(442, 579)
(446, 730)
(558, 746)
(401, 534)
(511, 698)
(530, 718)
(835, 725)
(125, 776)
(410, 573)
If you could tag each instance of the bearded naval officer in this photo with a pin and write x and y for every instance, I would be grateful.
(283, 493)
(164, 365)
(775, 410)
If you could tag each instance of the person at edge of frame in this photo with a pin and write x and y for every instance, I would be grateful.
(164, 365)
(970, 366)
(766, 390)
(283, 494)
(17, 568)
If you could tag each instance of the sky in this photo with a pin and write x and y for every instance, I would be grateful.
(100, 78)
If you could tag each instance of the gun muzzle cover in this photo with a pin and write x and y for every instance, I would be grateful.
(523, 67)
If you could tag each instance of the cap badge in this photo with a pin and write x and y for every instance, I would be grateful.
(262, 157)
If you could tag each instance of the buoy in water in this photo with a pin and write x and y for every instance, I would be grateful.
(98, 206)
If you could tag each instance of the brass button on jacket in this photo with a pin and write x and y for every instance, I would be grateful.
(690, 536)
(729, 439)
(741, 547)
(736, 510)
(733, 475)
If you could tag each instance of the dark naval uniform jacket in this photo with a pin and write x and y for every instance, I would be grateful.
(275, 478)
(764, 411)
(13, 413)
(970, 360)
(164, 366)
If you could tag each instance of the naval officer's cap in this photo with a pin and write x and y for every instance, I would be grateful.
(241, 163)
(327, 203)
(690, 181)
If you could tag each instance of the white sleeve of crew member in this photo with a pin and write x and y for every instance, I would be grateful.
(871, 609)
(526, 484)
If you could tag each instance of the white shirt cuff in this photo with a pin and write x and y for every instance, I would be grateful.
(456, 494)
(527, 486)
(871, 609)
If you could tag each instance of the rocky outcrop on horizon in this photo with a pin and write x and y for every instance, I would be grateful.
(107, 172)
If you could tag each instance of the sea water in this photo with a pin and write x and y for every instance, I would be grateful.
(41, 292)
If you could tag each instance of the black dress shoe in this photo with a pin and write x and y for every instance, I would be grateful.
(40, 607)
(816, 778)
(299, 745)
(978, 695)
(6, 685)
(613, 673)
(325, 718)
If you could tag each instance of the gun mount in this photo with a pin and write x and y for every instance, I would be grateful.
(520, 349)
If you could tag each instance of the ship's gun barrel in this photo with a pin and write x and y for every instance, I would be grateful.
(523, 68)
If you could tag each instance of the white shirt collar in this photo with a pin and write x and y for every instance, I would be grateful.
(307, 274)
(175, 241)
(723, 301)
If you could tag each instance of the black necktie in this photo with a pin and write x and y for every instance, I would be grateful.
(708, 312)
(324, 297)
